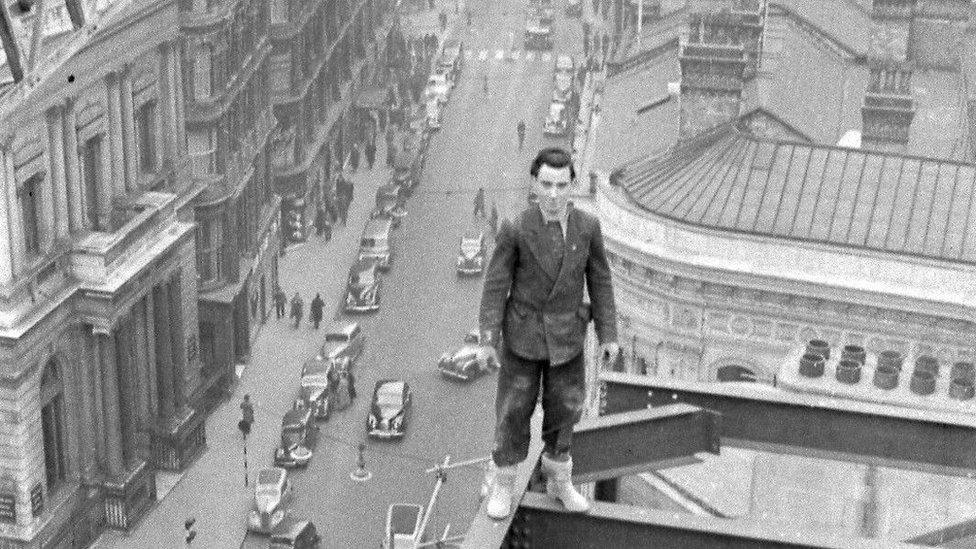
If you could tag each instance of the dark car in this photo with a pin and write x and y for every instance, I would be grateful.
(363, 287)
(295, 534)
(343, 340)
(391, 192)
(538, 34)
(316, 385)
(297, 438)
(388, 409)
(471, 253)
(452, 57)
(469, 362)
(389, 209)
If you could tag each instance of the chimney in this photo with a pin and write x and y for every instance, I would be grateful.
(712, 73)
(888, 109)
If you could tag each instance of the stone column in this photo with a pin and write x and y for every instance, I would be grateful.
(176, 332)
(178, 95)
(126, 362)
(116, 139)
(94, 374)
(129, 133)
(6, 258)
(55, 154)
(111, 410)
(167, 92)
(14, 220)
(72, 169)
(152, 393)
(164, 352)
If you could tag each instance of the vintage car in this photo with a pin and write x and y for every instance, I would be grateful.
(315, 389)
(402, 526)
(272, 491)
(562, 88)
(557, 120)
(574, 8)
(343, 340)
(297, 438)
(452, 57)
(565, 65)
(471, 253)
(388, 409)
(391, 191)
(438, 87)
(538, 36)
(469, 362)
(363, 287)
(433, 110)
(295, 533)
(408, 165)
(448, 75)
(389, 210)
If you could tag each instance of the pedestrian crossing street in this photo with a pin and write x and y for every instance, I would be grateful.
(500, 55)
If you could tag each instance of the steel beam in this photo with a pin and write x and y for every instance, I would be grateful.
(541, 523)
(761, 415)
(630, 442)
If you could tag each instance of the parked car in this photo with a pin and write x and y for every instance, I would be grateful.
(565, 65)
(557, 120)
(438, 88)
(538, 36)
(377, 242)
(343, 340)
(393, 192)
(469, 362)
(389, 210)
(407, 168)
(363, 287)
(574, 8)
(452, 56)
(448, 75)
(402, 526)
(272, 490)
(315, 389)
(433, 110)
(389, 408)
(562, 88)
(297, 438)
(471, 253)
(295, 534)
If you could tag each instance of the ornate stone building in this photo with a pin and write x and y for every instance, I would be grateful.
(324, 53)
(98, 290)
(229, 122)
(739, 229)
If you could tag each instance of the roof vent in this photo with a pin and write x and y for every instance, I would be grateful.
(812, 365)
(848, 372)
(885, 377)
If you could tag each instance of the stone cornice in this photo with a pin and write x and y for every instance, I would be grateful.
(815, 271)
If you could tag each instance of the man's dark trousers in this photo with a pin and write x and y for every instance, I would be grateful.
(563, 394)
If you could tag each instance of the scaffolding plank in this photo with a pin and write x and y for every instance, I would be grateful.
(640, 439)
(763, 415)
(540, 522)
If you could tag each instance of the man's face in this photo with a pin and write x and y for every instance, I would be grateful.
(552, 187)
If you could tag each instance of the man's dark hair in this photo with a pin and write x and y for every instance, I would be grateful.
(553, 157)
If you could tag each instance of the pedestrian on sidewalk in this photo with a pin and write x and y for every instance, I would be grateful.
(319, 221)
(354, 157)
(467, 12)
(352, 384)
(343, 209)
(317, 306)
(297, 309)
(280, 300)
(443, 19)
(493, 219)
(390, 154)
(381, 118)
(370, 154)
(247, 411)
(479, 202)
(520, 130)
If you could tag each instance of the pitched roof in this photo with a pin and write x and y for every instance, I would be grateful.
(729, 179)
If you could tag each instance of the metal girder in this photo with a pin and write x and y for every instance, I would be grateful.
(913, 438)
(540, 523)
(631, 442)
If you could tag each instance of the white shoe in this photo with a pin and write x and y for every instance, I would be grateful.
(499, 503)
(559, 484)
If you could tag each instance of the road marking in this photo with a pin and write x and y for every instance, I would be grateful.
(546, 56)
(482, 55)
(499, 54)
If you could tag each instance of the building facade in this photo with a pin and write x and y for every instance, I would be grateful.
(229, 123)
(98, 313)
(758, 208)
(324, 54)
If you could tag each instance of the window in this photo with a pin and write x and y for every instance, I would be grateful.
(90, 156)
(30, 209)
(52, 427)
(202, 72)
(146, 135)
(201, 146)
(209, 243)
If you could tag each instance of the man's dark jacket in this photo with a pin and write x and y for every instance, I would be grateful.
(535, 304)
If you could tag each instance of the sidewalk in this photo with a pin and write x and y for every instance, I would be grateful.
(212, 490)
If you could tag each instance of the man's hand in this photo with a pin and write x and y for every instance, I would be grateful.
(491, 357)
(610, 350)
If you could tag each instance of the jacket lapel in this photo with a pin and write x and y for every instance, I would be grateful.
(532, 225)
(572, 251)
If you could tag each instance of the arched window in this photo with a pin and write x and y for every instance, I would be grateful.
(52, 426)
